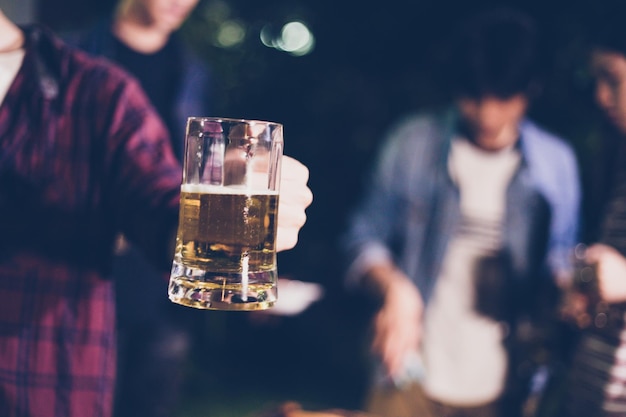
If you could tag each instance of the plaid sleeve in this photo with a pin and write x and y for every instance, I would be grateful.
(143, 174)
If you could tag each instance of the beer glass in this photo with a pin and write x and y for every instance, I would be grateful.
(225, 256)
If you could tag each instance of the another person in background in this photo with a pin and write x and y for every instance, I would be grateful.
(470, 215)
(83, 156)
(597, 384)
(156, 336)
(143, 38)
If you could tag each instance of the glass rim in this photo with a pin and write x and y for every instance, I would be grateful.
(232, 120)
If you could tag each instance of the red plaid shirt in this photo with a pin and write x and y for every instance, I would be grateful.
(82, 157)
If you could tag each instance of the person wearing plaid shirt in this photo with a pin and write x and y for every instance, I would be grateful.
(83, 156)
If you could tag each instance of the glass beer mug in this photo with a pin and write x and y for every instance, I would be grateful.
(225, 256)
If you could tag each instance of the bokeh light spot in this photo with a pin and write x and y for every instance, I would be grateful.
(230, 33)
(295, 38)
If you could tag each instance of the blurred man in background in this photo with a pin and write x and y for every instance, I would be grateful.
(597, 384)
(143, 38)
(470, 215)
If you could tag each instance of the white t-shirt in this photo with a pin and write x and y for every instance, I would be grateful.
(10, 63)
(464, 359)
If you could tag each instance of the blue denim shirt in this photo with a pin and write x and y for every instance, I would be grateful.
(412, 206)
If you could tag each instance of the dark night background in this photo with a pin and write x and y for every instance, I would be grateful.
(373, 62)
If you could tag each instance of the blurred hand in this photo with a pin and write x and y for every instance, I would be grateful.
(295, 197)
(398, 324)
(574, 308)
(610, 271)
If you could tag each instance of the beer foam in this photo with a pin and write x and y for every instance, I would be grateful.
(227, 189)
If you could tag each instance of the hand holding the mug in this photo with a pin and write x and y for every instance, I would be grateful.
(610, 270)
(295, 197)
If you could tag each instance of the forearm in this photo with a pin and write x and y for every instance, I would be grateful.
(397, 325)
(384, 279)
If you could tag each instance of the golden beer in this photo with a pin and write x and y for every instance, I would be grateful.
(225, 254)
